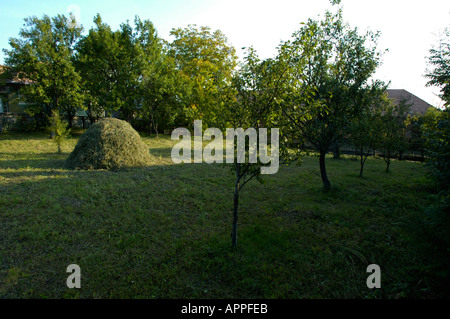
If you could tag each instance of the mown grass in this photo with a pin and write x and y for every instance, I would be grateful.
(163, 231)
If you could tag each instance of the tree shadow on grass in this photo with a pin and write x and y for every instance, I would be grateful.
(38, 160)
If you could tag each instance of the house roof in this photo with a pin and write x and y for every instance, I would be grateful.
(418, 106)
(5, 78)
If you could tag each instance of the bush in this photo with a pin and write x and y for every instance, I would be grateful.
(58, 129)
(109, 144)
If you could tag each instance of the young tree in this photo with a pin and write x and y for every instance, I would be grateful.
(256, 86)
(58, 128)
(330, 67)
(395, 119)
(43, 55)
(365, 127)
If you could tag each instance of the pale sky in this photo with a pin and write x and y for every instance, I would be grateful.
(408, 28)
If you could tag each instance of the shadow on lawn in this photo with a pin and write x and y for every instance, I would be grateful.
(8, 136)
(39, 160)
(54, 160)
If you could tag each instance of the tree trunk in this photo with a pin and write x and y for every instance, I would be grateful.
(323, 171)
(155, 125)
(388, 161)
(362, 164)
(235, 209)
(70, 119)
(59, 149)
(89, 112)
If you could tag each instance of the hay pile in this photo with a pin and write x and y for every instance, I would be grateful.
(109, 144)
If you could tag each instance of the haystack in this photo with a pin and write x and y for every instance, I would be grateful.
(109, 144)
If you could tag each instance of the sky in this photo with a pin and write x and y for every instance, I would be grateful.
(408, 29)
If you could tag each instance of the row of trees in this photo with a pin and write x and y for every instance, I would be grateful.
(130, 71)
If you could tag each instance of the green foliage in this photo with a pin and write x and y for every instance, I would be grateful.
(112, 65)
(395, 119)
(163, 91)
(58, 129)
(437, 135)
(365, 128)
(109, 144)
(206, 62)
(43, 55)
(432, 232)
(439, 61)
(329, 68)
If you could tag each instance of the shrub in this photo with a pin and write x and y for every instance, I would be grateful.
(109, 144)
(58, 128)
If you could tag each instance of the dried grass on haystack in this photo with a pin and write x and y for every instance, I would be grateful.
(109, 144)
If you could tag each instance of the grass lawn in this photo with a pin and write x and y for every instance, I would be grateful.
(163, 231)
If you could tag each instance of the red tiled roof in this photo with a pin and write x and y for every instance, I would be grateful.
(14, 78)
(418, 106)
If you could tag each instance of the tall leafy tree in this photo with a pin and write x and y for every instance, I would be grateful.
(207, 62)
(112, 65)
(162, 88)
(434, 235)
(163, 91)
(96, 60)
(331, 64)
(436, 135)
(43, 54)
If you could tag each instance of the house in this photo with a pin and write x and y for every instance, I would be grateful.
(10, 97)
(12, 106)
(418, 106)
